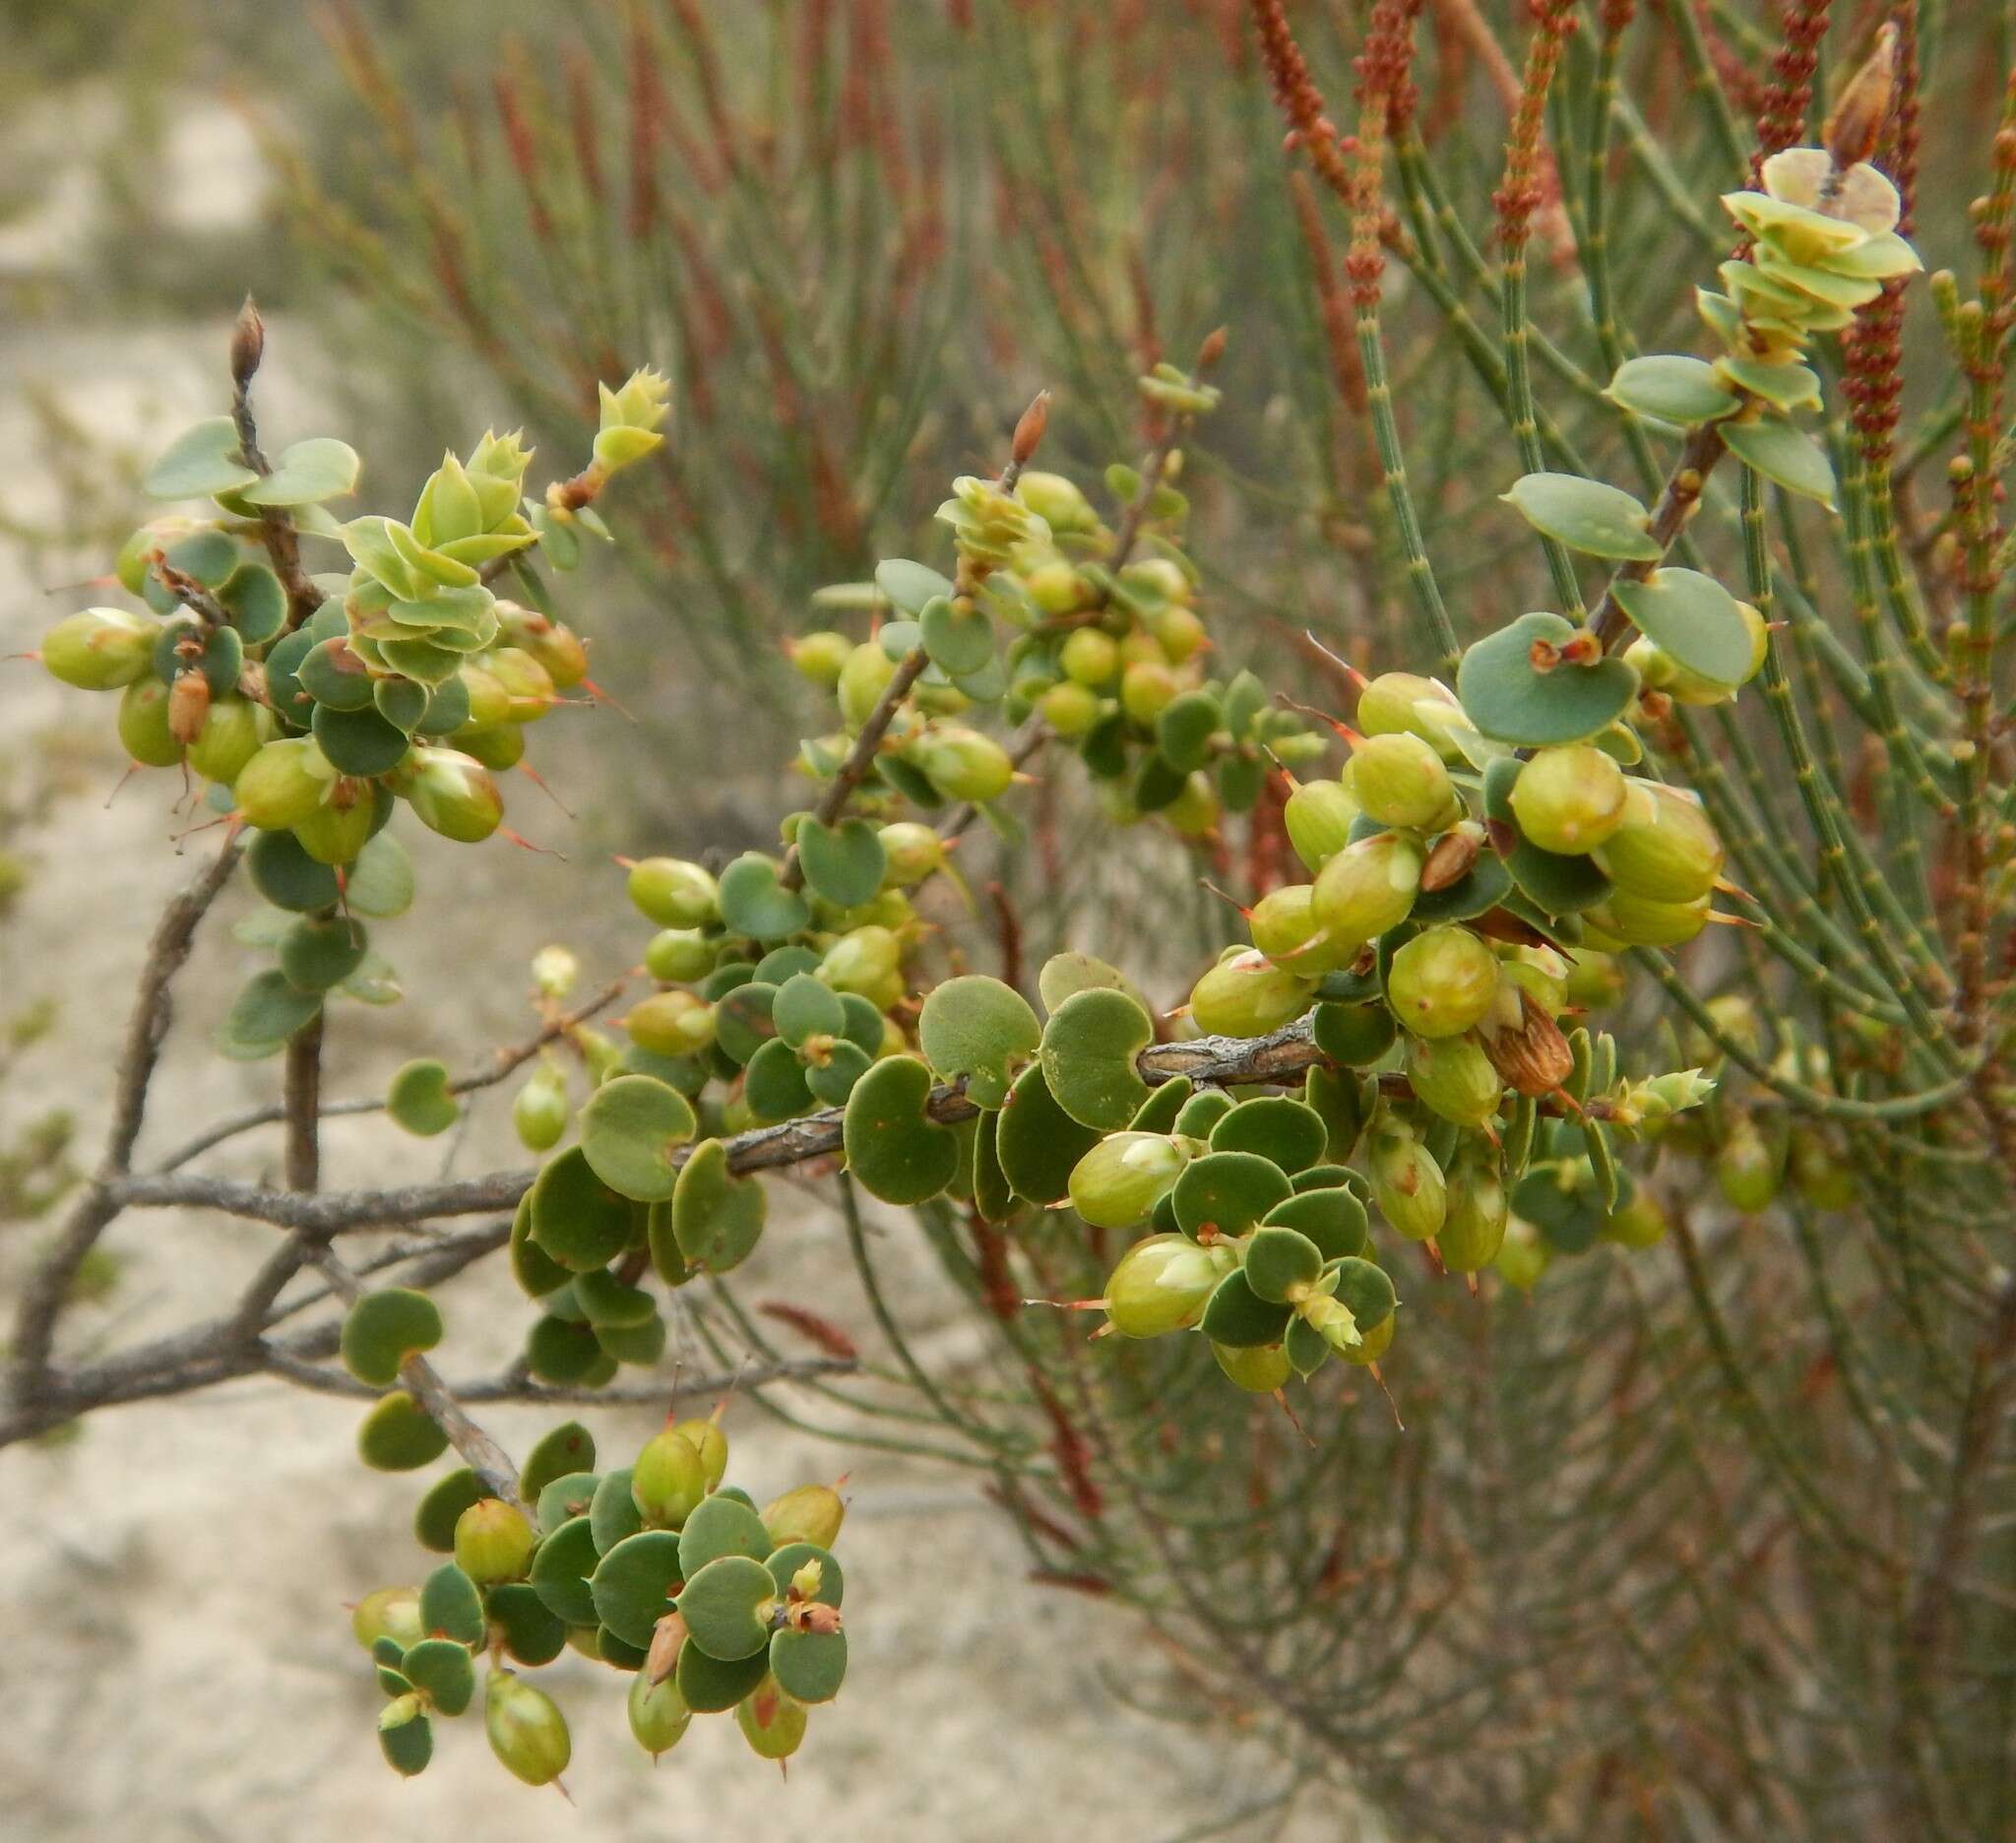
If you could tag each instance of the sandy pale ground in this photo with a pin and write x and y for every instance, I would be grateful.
(172, 1582)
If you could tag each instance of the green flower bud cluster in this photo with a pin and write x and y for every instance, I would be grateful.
(659, 1568)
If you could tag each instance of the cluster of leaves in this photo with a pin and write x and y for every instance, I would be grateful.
(657, 1569)
(309, 707)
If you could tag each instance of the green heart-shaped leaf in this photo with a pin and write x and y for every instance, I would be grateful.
(1784, 455)
(1036, 1144)
(450, 1606)
(911, 587)
(785, 1562)
(199, 463)
(1278, 1259)
(1307, 1348)
(744, 1019)
(1088, 1051)
(713, 1685)
(1332, 1218)
(307, 472)
(1229, 1192)
(564, 1352)
(1586, 515)
(844, 863)
(1508, 697)
(564, 1499)
(268, 1011)
(1200, 1114)
(406, 1737)
(959, 638)
(808, 1666)
(255, 602)
(1280, 1129)
(1239, 1318)
(400, 702)
(1671, 389)
(1367, 1288)
(1695, 619)
(775, 1085)
(628, 1129)
(529, 1630)
(436, 1515)
(805, 1007)
(982, 1029)
(754, 902)
(385, 1327)
(1184, 729)
(443, 1672)
(419, 1099)
(568, 1449)
(610, 1303)
(725, 1607)
(318, 955)
(358, 741)
(1065, 975)
(894, 1148)
(717, 1218)
(833, 1080)
(1163, 1107)
(576, 1218)
(634, 1582)
(719, 1526)
(398, 1435)
(614, 1515)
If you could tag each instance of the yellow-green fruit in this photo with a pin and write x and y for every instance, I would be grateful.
(772, 1723)
(1638, 1223)
(1749, 1167)
(668, 1480)
(1407, 1184)
(1090, 658)
(712, 1445)
(1636, 922)
(1541, 973)
(234, 730)
(673, 893)
(1826, 1182)
(962, 764)
(1117, 1183)
(490, 704)
(101, 649)
(1372, 1345)
(1318, 816)
(679, 956)
(1057, 502)
(1284, 926)
(1442, 982)
(1473, 1224)
(493, 1542)
(282, 784)
(391, 1613)
(861, 682)
(452, 794)
(1453, 1078)
(812, 1513)
(1259, 1370)
(143, 730)
(1178, 631)
(1388, 706)
(1368, 887)
(862, 961)
(497, 747)
(1659, 670)
(659, 1714)
(821, 657)
(528, 685)
(1248, 995)
(1570, 800)
(1158, 579)
(1594, 979)
(671, 1023)
(1665, 850)
(1070, 708)
(1161, 1284)
(1056, 588)
(1139, 647)
(333, 834)
(526, 1731)
(911, 851)
(558, 649)
(1195, 810)
(538, 1113)
(1398, 780)
(131, 565)
(1146, 690)
(1522, 1255)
